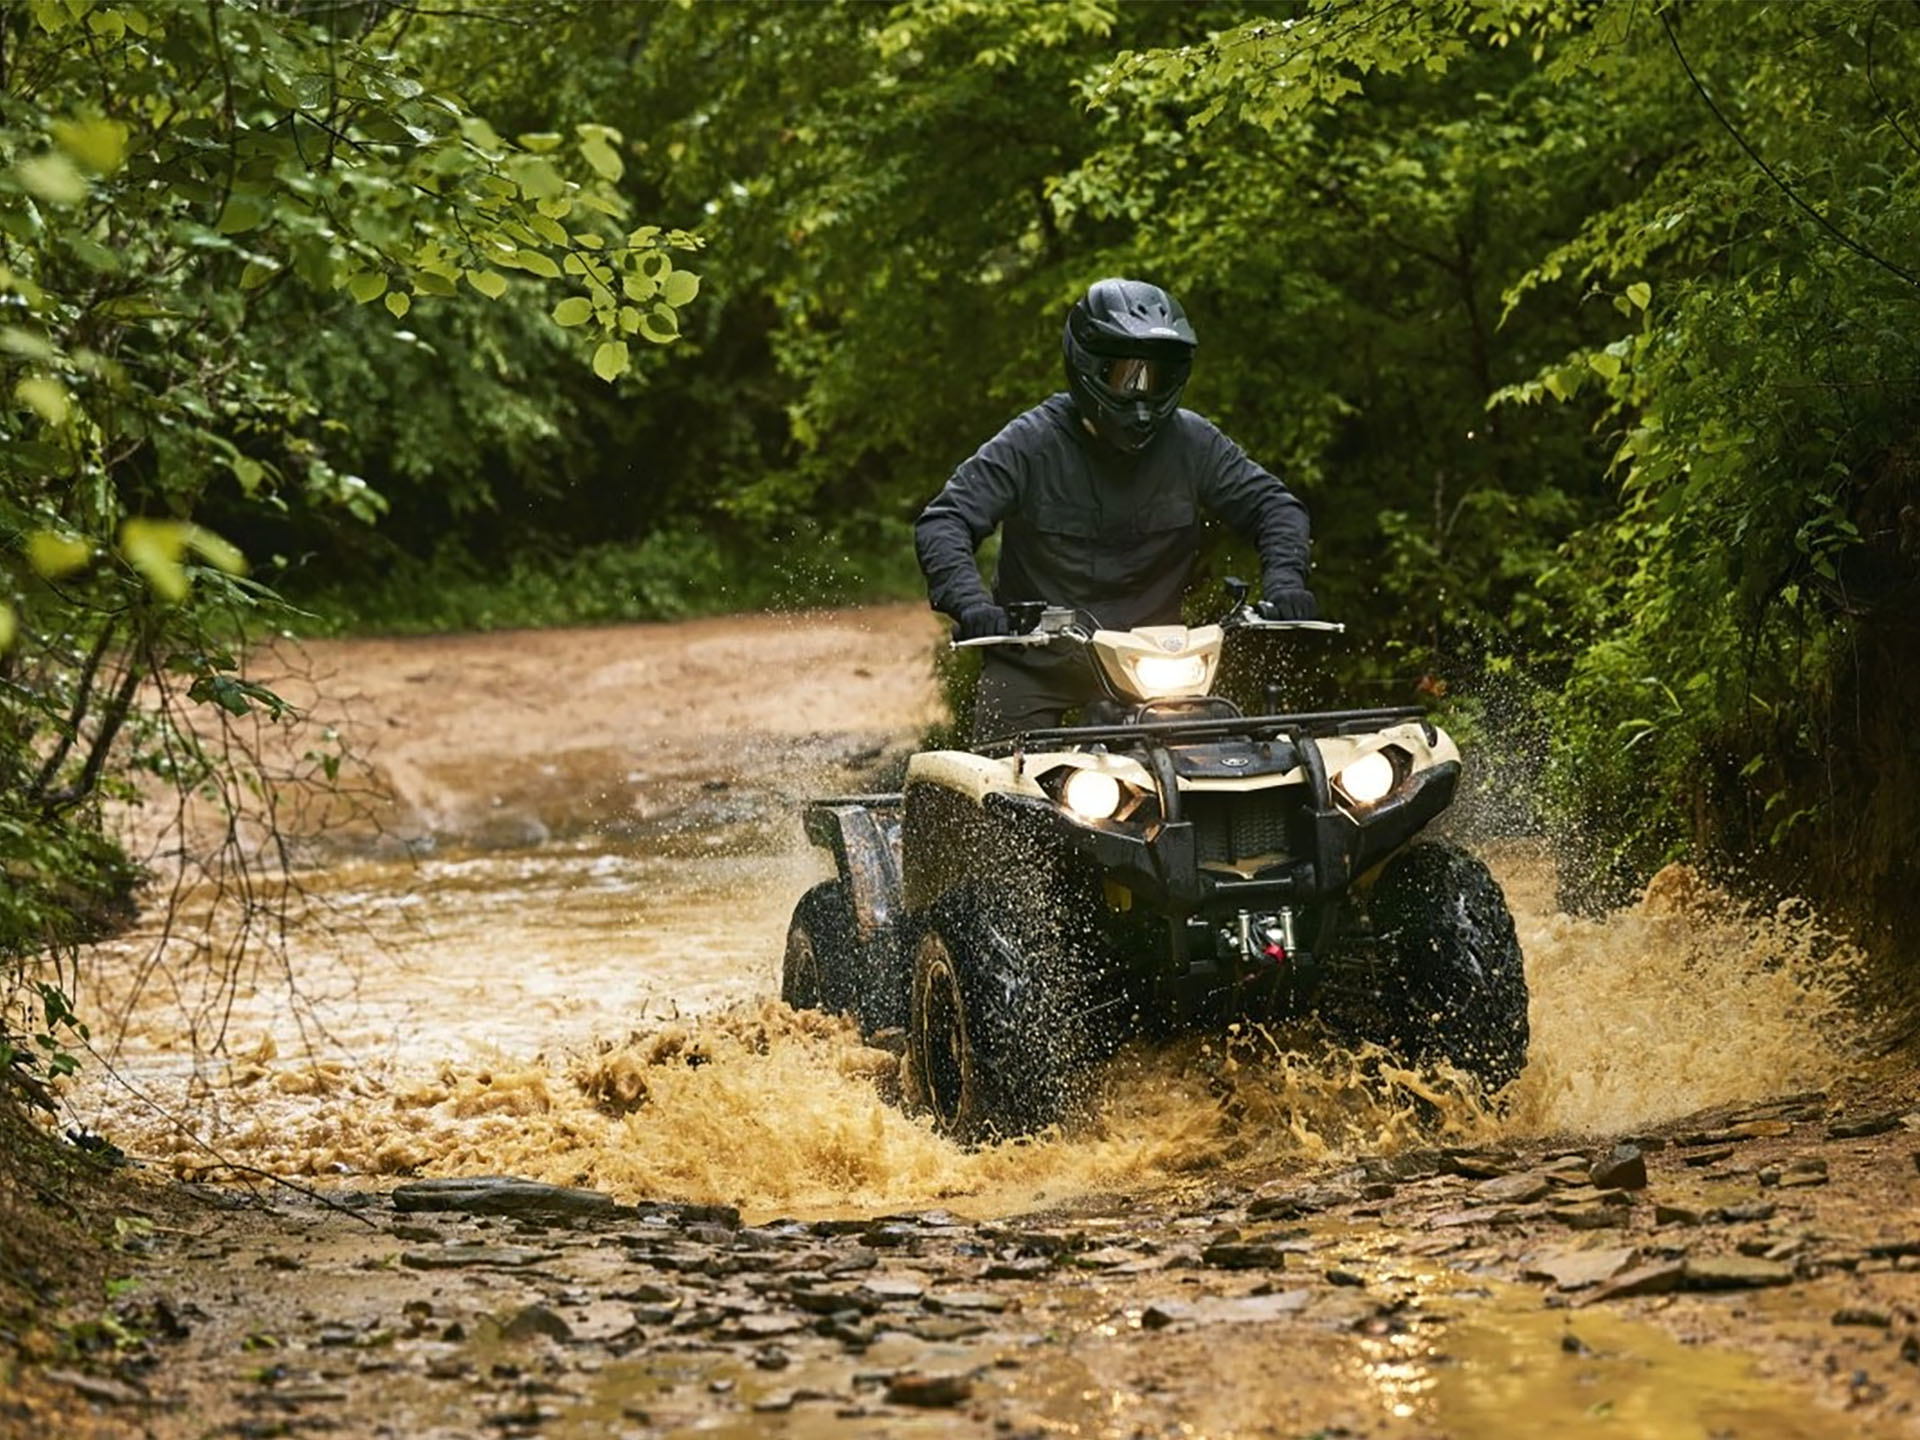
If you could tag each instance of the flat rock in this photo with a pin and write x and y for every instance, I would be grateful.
(929, 1392)
(500, 1195)
(536, 1320)
(1244, 1255)
(1225, 1310)
(98, 1388)
(1578, 1269)
(458, 1257)
(962, 1302)
(1522, 1189)
(1859, 1127)
(1733, 1272)
(884, 1288)
(1655, 1279)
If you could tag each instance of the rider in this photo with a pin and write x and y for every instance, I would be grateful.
(1099, 493)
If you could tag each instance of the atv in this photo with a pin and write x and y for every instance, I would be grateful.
(1167, 864)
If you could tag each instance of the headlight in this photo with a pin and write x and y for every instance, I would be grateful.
(1368, 779)
(1159, 676)
(1091, 794)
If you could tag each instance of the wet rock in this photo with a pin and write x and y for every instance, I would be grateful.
(1028, 1267)
(929, 1392)
(1807, 1170)
(763, 1327)
(1752, 1212)
(1700, 1159)
(1622, 1168)
(856, 1260)
(771, 1357)
(458, 1257)
(943, 1328)
(500, 1195)
(959, 1302)
(536, 1320)
(1244, 1255)
(1578, 1269)
(1596, 1215)
(829, 1301)
(886, 1288)
(1861, 1126)
(1294, 1204)
(1477, 1164)
(1676, 1215)
(97, 1388)
(1655, 1279)
(1344, 1277)
(726, 1216)
(1861, 1315)
(1522, 1189)
(1734, 1272)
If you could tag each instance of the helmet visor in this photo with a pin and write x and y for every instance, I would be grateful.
(1137, 377)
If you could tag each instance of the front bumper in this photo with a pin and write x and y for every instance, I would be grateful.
(1160, 866)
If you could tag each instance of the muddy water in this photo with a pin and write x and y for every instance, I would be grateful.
(598, 1016)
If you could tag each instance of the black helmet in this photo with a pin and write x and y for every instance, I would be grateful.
(1129, 350)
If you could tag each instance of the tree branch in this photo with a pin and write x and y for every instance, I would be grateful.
(1857, 247)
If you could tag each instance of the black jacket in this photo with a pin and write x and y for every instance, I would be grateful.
(1114, 535)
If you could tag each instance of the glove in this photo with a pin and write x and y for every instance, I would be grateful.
(1289, 605)
(978, 620)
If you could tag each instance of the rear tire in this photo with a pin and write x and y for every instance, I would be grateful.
(816, 972)
(1447, 980)
(994, 1041)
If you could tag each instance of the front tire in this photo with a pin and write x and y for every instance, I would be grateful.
(992, 1034)
(1447, 982)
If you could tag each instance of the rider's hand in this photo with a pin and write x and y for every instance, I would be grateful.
(977, 621)
(1289, 605)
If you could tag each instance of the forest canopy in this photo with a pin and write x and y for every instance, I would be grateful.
(1586, 328)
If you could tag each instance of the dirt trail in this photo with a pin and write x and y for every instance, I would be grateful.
(591, 827)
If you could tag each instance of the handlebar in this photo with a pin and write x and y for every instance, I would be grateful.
(1061, 622)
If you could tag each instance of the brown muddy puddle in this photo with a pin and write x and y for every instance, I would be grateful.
(597, 1016)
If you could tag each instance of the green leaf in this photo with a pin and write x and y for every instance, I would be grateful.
(575, 310)
(52, 554)
(538, 263)
(154, 547)
(611, 360)
(1640, 293)
(638, 287)
(680, 288)
(367, 286)
(540, 141)
(1604, 363)
(53, 178)
(7, 627)
(425, 282)
(217, 551)
(660, 325)
(94, 144)
(490, 283)
(603, 158)
(241, 213)
(538, 179)
(398, 303)
(46, 396)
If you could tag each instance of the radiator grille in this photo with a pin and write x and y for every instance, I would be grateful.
(1231, 828)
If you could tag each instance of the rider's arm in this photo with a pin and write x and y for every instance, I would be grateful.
(982, 493)
(1256, 504)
